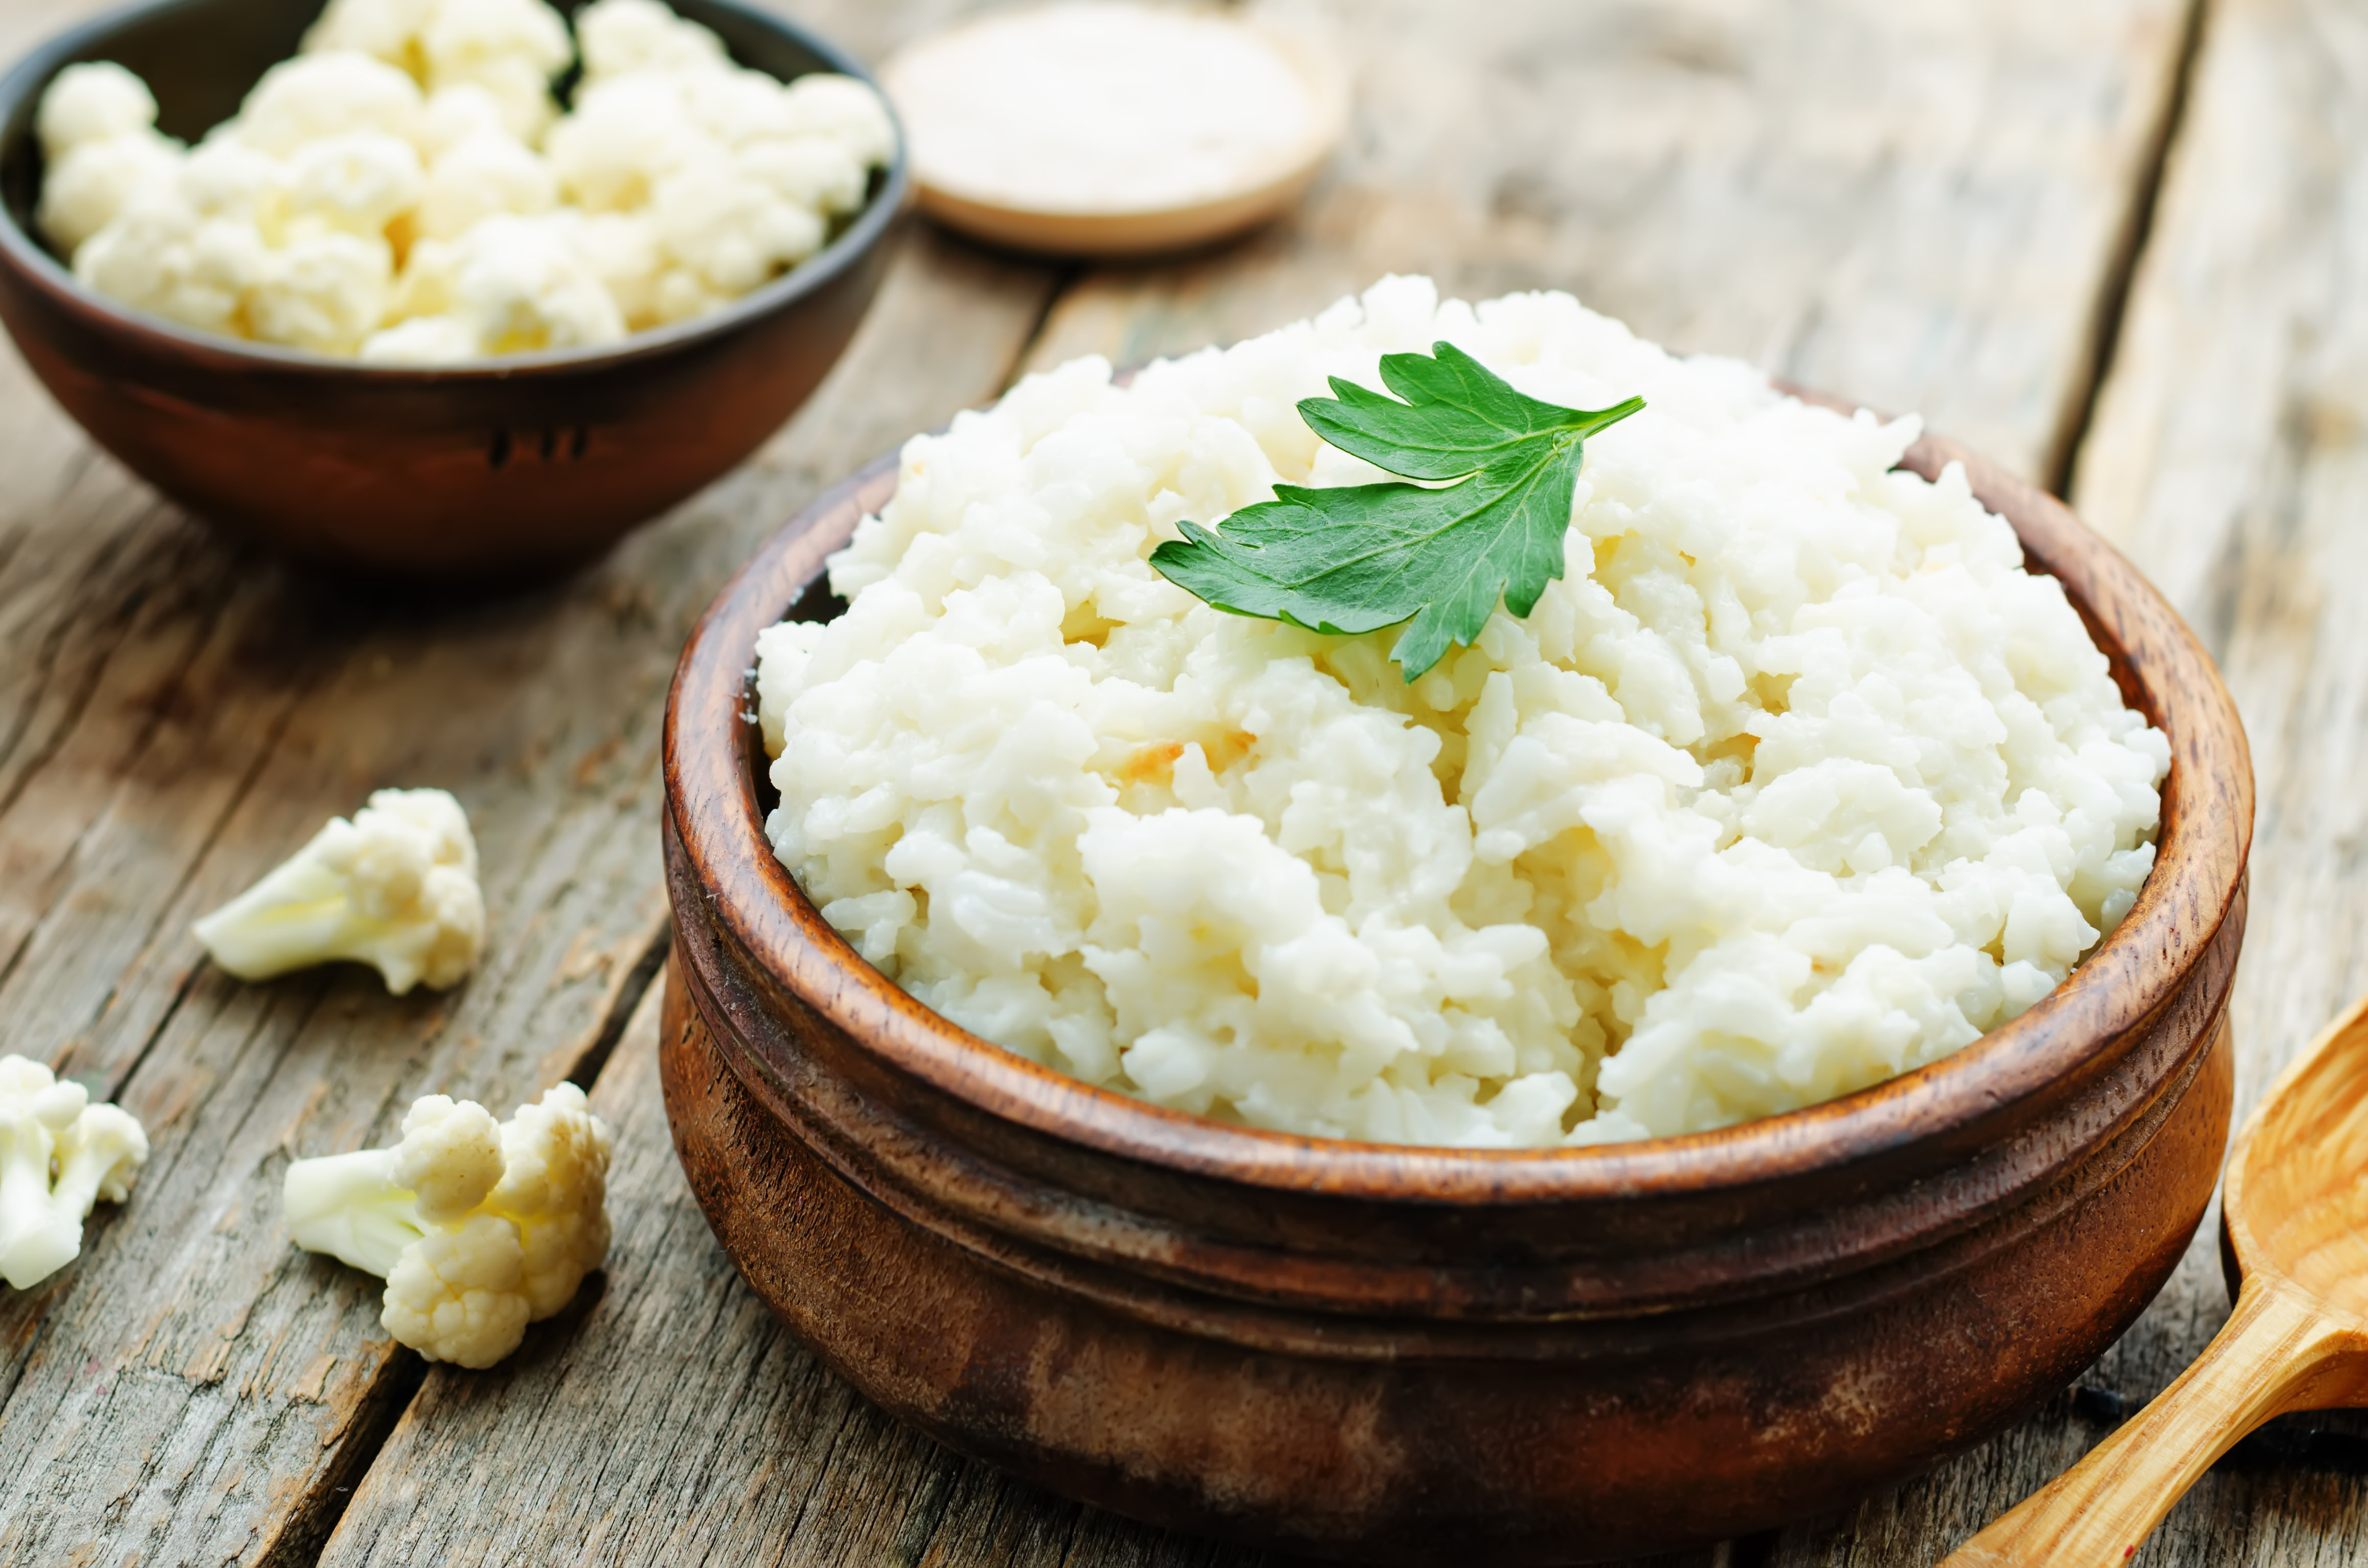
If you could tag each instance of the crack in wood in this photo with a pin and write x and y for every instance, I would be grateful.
(2059, 472)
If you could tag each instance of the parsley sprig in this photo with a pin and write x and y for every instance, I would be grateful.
(1357, 558)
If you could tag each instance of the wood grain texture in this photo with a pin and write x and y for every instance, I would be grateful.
(671, 1419)
(1920, 206)
(2296, 1206)
(2229, 457)
(175, 716)
(1745, 178)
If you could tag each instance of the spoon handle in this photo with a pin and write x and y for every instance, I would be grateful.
(2094, 1515)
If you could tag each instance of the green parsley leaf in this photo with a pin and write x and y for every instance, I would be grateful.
(1357, 558)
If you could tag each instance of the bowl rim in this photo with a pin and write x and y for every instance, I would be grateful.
(24, 251)
(2125, 983)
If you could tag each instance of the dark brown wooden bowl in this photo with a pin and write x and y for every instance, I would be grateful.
(501, 471)
(1410, 1355)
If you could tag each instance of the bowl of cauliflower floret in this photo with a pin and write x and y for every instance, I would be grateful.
(449, 291)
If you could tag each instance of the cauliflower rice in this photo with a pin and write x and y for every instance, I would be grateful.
(1794, 781)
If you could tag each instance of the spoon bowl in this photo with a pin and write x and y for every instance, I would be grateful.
(2297, 1201)
(2294, 1209)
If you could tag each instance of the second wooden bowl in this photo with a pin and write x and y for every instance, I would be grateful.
(486, 473)
(1420, 1356)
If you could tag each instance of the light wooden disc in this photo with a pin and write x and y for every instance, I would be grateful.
(1117, 227)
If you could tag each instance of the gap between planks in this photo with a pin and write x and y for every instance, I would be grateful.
(2062, 467)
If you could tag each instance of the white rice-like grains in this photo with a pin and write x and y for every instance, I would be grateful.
(1794, 781)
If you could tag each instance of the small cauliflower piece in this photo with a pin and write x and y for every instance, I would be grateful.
(325, 291)
(732, 230)
(623, 37)
(88, 188)
(387, 29)
(484, 175)
(59, 1156)
(510, 48)
(510, 285)
(553, 1188)
(357, 183)
(456, 113)
(460, 1295)
(478, 1229)
(94, 102)
(621, 250)
(820, 173)
(430, 282)
(224, 178)
(625, 136)
(526, 289)
(827, 104)
(422, 341)
(162, 256)
(366, 1208)
(316, 95)
(735, 106)
(395, 888)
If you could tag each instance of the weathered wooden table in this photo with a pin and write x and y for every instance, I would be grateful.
(2122, 244)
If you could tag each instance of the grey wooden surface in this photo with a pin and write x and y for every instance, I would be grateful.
(1944, 206)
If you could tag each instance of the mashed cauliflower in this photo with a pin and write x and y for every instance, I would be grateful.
(1795, 781)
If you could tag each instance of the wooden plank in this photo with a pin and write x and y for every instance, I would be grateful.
(1918, 205)
(177, 715)
(2229, 457)
(674, 1420)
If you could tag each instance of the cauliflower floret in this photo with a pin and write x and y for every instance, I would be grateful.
(456, 113)
(817, 171)
(477, 1228)
(826, 104)
(96, 102)
(430, 283)
(481, 177)
(388, 29)
(526, 289)
(515, 285)
(626, 136)
(510, 285)
(395, 888)
(367, 1207)
(730, 231)
(510, 48)
(460, 1295)
(554, 1181)
(224, 178)
(59, 1155)
(315, 96)
(621, 250)
(325, 291)
(161, 255)
(622, 36)
(735, 106)
(358, 183)
(422, 341)
(88, 188)
(506, 50)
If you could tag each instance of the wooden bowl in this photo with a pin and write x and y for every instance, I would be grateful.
(498, 471)
(1414, 1355)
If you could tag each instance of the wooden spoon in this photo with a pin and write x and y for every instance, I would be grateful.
(2296, 1205)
